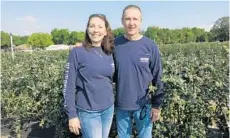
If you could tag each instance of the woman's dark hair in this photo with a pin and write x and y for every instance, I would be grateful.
(107, 42)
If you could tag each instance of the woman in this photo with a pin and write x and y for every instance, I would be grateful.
(88, 91)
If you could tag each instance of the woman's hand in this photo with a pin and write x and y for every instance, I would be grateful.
(74, 125)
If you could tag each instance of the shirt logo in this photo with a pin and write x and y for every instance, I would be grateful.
(113, 67)
(144, 59)
(112, 64)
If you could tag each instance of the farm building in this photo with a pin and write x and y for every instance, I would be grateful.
(58, 47)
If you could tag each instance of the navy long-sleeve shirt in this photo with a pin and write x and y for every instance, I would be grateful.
(88, 80)
(137, 63)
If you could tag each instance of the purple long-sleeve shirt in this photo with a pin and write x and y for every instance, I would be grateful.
(88, 80)
(137, 63)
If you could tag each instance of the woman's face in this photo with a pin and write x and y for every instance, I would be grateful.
(96, 30)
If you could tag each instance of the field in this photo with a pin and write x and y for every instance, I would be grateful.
(196, 78)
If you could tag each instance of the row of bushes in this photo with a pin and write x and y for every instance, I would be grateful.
(196, 86)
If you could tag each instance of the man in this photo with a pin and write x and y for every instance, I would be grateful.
(138, 64)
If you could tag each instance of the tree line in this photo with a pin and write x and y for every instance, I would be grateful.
(219, 32)
(17, 40)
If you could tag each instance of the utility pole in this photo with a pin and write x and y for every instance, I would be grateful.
(31, 49)
(11, 42)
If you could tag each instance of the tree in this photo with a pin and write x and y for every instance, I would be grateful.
(220, 30)
(156, 34)
(73, 37)
(118, 31)
(5, 39)
(76, 37)
(152, 32)
(174, 36)
(188, 35)
(200, 34)
(60, 36)
(17, 40)
(24, 39)
(80, 36)
(40, 40)
(160, 39)
(166, 38)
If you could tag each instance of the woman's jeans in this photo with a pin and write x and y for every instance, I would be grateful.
(96, 124)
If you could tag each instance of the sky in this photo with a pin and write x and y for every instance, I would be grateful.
(27, 17)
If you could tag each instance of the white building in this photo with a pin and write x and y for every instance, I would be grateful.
(58, 47)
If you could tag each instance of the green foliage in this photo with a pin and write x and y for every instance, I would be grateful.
(118, 31)
(17, 40)
(170, 36)
(200, 34)
(32, 87)
(64, 36)
(196, 86)
(5, 39)
(40, 40)
(24, 40)
(76, 37)
(152, 33)
(60, 36)
(195, 77)
(220, 30)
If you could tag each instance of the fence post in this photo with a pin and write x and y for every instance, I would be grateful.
(11, 42)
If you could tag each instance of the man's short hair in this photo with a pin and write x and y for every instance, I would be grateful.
(129, 7)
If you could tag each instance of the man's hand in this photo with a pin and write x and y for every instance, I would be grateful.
(155, 114)
(74, 126)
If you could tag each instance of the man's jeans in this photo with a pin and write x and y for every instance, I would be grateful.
(96, 124)
(124, 123)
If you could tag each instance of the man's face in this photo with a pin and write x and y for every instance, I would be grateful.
(132, 21)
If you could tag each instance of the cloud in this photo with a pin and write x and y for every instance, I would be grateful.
(28, 25)
(27, 19)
